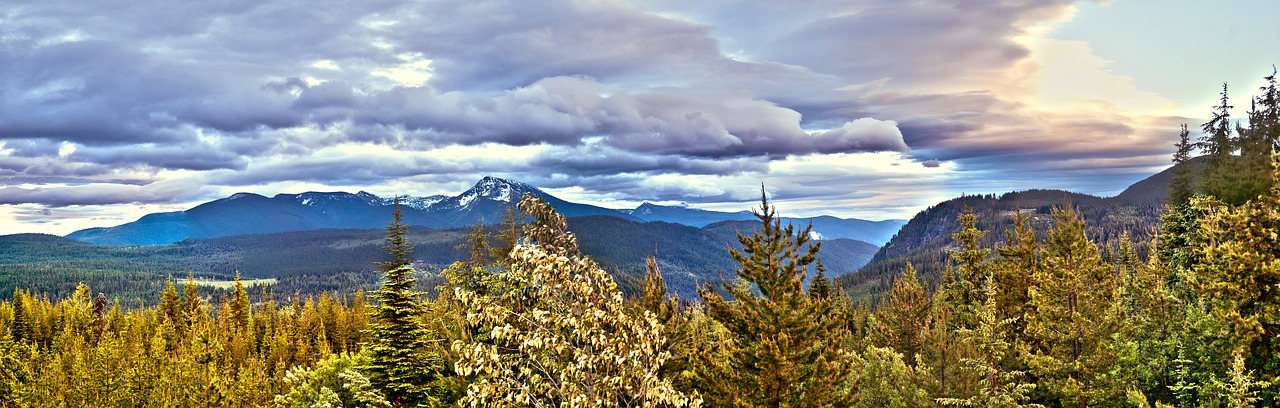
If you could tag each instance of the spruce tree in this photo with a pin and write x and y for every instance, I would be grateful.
(998, 385)
(1219, 144)
(1237, 273)
(1075, 318)
(787, 346)
(1019, 260)
(398, 244)
(239, 309)
(477, 245)
(20, 327)
(1180, 188)
(192, 307)
(903, 315)
(401, 364)
(965, 292)
(508, 235)
(172, 308)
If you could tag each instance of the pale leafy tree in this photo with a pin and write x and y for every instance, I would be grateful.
(560, 334)
(333, 382)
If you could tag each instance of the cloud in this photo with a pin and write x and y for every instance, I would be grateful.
(622, 99)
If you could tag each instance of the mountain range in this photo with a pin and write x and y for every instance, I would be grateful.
(924, 239)
(247, 213)
(323, 241)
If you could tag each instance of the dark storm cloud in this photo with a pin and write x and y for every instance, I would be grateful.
(345, 170)
(81, 195)
(567, 110)
(193, 156)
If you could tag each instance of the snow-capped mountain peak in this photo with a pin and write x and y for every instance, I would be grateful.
(491, 189)
(417, 203)
(499, 189)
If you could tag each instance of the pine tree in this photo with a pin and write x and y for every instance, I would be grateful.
(1075, 317)
(991, 337)
(477, 245)
(99, 317)
(1180, 187)
(20, 327)
(192, 307)
(965, 293)
(1019, 261)
(239, 309)
(903, 315)
(401, 364)
(1237, 273)
(508, 235)
(653, 296)
(398, 244)
(1219, 144)
(172, 309)
(786, 348)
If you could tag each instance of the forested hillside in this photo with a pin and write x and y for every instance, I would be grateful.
(924, 240)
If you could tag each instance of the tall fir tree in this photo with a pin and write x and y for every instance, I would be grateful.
(508, 234)
(965, 292)
(1018, 262)
(991, 337)
(20, 325)
(1075, 317)
(1219, 144)
(903, 315)
(239, 309)
(787, 346)
(398, 244)
(1237, 272)
(1180, 187)
(401, 363)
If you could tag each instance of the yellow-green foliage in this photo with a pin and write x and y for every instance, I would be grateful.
(84, 356)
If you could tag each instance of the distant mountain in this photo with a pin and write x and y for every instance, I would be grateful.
(484, 202)
(839, 255)
(247, 213)
(341, 260)
(924, 239)
(876, 232)
(685, 215)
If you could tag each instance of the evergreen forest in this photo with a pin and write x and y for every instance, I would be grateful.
(1187, 316)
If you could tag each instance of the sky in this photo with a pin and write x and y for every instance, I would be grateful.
(873, 109)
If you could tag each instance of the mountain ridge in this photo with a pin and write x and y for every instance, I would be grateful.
(251, 213)
(924, 239)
